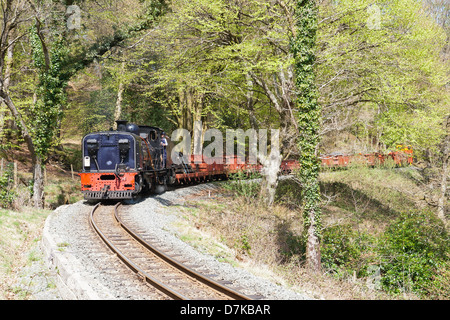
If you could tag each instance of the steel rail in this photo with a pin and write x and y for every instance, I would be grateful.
(192, 273)
(148, 278)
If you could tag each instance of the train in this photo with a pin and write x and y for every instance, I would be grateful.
(402, 156)
(123, 163)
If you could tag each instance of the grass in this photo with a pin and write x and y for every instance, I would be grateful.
(19, 233)
(62, 190)
(21, 228)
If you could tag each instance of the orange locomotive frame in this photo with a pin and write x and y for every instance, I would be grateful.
(102, 181)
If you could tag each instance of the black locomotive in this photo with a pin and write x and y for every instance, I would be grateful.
(119, 164)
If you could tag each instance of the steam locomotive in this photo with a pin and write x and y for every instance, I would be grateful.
(119, 164)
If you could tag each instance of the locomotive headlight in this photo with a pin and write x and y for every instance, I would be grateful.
(87, 161)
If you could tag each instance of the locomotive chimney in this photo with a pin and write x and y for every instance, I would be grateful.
(121, 125)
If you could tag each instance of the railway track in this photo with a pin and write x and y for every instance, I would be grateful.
(155, 267)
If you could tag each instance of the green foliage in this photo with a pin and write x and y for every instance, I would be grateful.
(5, 137)
(242, 185)
(408, 250)
(208, 53)
(7, 194)
(412, 254)
(338, 247)
(289, 193)
(141, 16)
(100, 114)
(243, 244)
(153, 10)
(439, 287)
(50, 91)
(413, 248)
(345, 250)
(391, 79)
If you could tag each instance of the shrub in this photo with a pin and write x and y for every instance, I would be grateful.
(7, 195)
(439, 288)
(289, 193)
(342, 249)
(243, 244)
(242, 184)
(413, 248)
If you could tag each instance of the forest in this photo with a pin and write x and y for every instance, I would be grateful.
(333, 76)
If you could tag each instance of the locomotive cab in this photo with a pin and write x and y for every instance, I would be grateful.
(152, 135)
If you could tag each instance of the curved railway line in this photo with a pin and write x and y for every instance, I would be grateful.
(156, 267)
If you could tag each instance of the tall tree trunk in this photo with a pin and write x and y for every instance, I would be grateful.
(118, 111)
(281, 103)
(38, 183)
(271, 167)
(303, 47)
(445, 159)
(7, 77)
(38, 186)
(271, 163)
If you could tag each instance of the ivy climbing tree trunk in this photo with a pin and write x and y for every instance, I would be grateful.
(51, 97)
(303, 46)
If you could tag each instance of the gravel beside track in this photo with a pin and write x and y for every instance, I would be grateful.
(77, 265)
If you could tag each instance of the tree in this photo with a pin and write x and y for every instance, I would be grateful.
(227, 63)
(12, 16)
(376, 81)
(445, 163)
(50, 99)
(55, 64)
(303, 47)
(386, 84)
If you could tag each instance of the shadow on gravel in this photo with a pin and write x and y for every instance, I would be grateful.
(165, 202)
